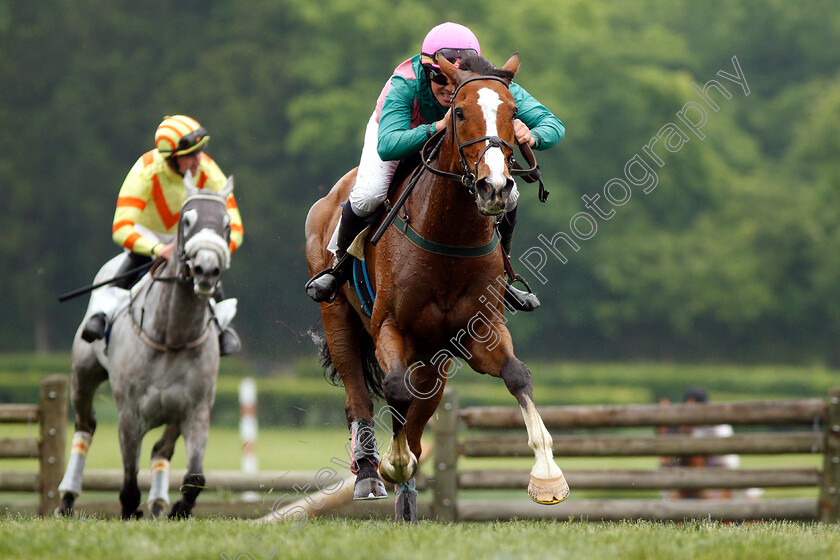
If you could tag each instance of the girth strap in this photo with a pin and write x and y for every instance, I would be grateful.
(437, 248)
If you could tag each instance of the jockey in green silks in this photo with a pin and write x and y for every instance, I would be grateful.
(413, 105)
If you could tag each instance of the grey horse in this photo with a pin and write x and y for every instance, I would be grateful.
(162, 360)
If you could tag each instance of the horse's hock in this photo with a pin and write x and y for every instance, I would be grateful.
(805, 426)
(50, 416)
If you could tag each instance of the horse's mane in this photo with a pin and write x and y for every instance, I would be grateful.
(481, 65)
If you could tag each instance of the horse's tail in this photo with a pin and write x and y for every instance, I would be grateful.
(370, 366)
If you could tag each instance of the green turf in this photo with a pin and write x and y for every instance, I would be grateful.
(26, 538)
(277, 448)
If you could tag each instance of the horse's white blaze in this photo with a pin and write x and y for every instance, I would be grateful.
(489, 102)
(539, 440)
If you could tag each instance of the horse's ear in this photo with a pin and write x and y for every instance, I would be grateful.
(189, 184)
(512, 64)
(227, 189)
(455, 75)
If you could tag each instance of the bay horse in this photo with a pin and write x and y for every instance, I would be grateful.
(438, 280)
(161, 358)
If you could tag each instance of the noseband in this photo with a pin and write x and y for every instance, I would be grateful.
(185, 274)
(468, 177)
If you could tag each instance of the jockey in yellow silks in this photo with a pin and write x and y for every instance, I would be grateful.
(148, 210)
(152, 196)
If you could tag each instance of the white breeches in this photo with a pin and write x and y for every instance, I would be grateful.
(374, 175)
(109, 299)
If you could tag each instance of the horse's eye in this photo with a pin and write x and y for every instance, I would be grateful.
(515, 112)
(459, 113)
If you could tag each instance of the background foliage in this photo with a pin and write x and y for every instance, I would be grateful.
(733, 256)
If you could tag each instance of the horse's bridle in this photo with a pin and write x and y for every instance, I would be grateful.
(185, 275)
(468, 177)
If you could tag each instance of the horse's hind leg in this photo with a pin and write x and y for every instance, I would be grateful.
(342, 330)
(547, 484)
(161, 454)
(131, 437)
(87, 376)
(195, 437)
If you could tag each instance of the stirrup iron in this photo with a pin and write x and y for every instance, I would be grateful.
(518, 299)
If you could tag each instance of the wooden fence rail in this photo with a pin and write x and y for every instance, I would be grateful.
(51, 417)
(816, 421)
(816, 425)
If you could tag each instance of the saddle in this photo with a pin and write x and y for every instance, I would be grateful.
(360, 278)
(405, 167)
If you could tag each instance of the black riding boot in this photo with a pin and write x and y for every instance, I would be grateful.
(323, 286)
(515, 298)
(229, 341)
(97, 324)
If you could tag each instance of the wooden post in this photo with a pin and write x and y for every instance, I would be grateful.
(445, 504)
(829, 504)
(248, 431)
(53, 427)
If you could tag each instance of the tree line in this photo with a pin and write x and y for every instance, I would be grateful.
(714, 238)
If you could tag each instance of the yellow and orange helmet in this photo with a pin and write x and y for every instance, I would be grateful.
(179, 135)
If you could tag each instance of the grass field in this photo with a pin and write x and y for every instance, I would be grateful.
(283, 447)
(27, 538)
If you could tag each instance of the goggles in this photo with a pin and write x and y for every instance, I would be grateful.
(429, 61)
(191, 140)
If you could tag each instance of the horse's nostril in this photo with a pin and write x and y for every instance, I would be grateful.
(509, 185)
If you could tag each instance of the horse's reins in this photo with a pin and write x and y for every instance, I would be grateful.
(138, 327)
(430, 150)
(183, 277)
(467, 178)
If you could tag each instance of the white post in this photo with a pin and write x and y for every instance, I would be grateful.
(248, 430)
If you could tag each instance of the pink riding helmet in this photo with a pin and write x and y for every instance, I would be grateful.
(452, 37)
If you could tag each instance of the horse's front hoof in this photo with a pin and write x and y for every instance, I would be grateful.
(398, 474)
(369, 489)
(157, 509)
(66, 507)
(405, 506)
(548, 491)
(180, 511)
(132, 515)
